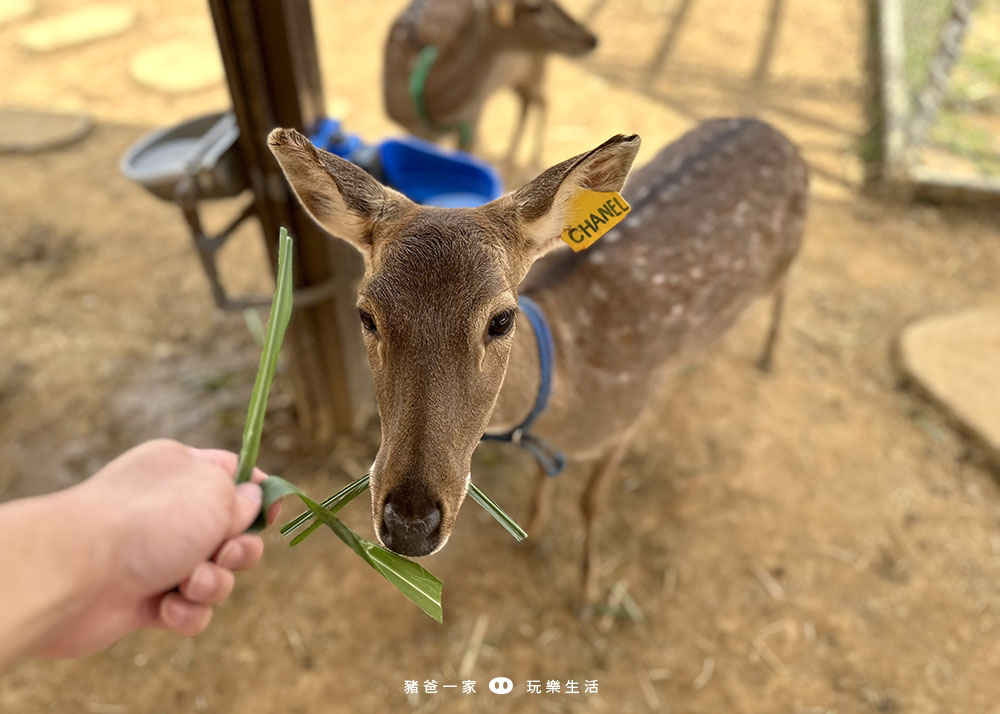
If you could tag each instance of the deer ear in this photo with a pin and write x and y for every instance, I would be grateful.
(340, 196)
(543, 204)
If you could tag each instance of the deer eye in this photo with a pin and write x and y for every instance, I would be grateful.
(501, 323)
(367, 321)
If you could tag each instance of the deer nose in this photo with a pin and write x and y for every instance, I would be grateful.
(591, 41)
(411, 527)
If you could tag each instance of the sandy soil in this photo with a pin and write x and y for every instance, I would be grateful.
(814, 541)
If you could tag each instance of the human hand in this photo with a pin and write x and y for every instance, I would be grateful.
(162, 516)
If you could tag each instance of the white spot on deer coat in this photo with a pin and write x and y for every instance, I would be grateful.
(740, 213)
(667, 194)
(598, 291)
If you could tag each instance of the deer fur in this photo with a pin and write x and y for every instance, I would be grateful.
(716, 220)
(484, 45)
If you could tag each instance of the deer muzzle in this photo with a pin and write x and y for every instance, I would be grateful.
(411, 525)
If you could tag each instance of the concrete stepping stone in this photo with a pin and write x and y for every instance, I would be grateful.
(11, 10)
(27, 131)
(956, 360)
(77, 27)
(178, 66)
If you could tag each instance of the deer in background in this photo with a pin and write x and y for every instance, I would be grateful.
(716, 220)
(444, 58)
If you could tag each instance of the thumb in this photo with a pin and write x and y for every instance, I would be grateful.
(246, 507)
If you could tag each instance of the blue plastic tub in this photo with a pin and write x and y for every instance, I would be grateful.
(427, 174)
(418, 169)
(332, 138)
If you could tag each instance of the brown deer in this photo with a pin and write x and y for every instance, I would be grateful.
(716, 219)
(443, 59)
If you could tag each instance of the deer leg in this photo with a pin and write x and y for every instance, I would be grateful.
(592, 504)
(515, 139)
(542, 505)
(536, 95)
(765, 362)
(468, 133)
(541, 119)
(467, 139)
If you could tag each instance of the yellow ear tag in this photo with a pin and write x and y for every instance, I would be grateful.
(591, 215)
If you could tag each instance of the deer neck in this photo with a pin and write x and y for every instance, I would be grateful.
(461, 77)
(520, 385)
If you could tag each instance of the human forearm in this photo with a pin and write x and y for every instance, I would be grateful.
(153, 539)
(50, 560)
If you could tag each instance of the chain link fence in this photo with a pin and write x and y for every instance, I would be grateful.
(940, 72)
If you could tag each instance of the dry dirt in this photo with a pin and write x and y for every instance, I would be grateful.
(814, 541)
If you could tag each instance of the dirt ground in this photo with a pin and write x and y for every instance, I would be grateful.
(813, 541)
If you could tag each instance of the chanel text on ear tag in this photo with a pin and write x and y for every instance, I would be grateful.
(591, 215)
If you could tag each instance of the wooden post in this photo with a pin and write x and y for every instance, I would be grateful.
(269, 53)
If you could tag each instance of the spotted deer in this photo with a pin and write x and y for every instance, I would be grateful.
(444, 58)
(716, 218)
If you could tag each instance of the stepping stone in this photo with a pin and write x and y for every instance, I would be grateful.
(178, 66)
(11, 10)
(27, 131)
(956, 360)
(93, 22)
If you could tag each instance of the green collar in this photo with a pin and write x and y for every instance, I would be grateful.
(418, 85)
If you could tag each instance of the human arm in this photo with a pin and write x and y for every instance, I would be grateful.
(80, 568)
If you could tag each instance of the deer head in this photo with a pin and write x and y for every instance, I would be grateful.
(438, 310)
(540, 25)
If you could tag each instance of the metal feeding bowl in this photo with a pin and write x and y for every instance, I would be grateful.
(204, 148)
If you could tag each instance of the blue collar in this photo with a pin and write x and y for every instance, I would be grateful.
(551, 460)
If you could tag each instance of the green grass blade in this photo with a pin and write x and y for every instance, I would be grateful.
(277, 321)
(314, 526)
(276, 488)
(411, 579)
(334, 503)
(415, 582)
(494, 510)
(349, 492)
(254, 326)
